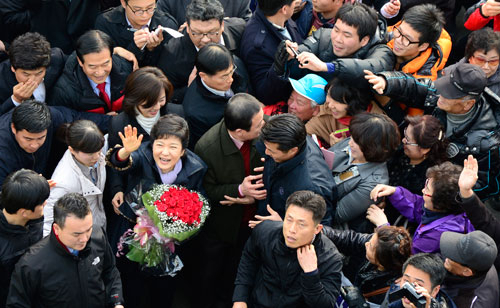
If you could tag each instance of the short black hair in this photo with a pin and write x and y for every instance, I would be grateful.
(310, 201)
(29, 51)
(484, 40)
(357, 100)
(286, 130)
(93, 41)
(240, 110)
(84, 136)
(213, 58)
(445, 187)
(204, 10)
(376, 135)
(23, 189)
(359, 16)
(429, 263)
(271, 7)
(428, 133)
(144, 86)
(71, 204)
(427, 20)
(33, 116)
(171, 125)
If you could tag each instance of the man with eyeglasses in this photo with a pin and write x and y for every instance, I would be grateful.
(483, 50)
(422, 47)
(132, 26)
(205, 24)
(467, 109)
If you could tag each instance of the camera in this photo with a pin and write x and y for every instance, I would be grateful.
(408, 291)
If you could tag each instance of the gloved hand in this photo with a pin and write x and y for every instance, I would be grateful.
(353, 297)
(280, 59)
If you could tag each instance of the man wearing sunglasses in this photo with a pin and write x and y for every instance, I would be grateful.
(132, 26)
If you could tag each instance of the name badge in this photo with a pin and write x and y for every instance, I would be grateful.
(346, 175)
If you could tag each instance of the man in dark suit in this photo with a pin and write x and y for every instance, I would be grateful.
(230, 182)
(205, 24)
(93, 78)
(132, 26)
(31, 71)
(270, 24)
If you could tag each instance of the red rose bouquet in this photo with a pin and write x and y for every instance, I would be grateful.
(170, 215)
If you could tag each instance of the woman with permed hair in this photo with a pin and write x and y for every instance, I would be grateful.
(435, 212)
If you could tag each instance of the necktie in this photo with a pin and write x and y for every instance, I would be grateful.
(103, 95)
(245, 152)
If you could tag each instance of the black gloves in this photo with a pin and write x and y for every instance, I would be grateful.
(280, 59)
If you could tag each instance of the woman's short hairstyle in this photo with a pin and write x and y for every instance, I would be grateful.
(445, 187)
(483, 40)
(376, 135)
(213, 58)
(171, 125)
(83, 136)
(428, 133)
(144, 87)
(393, 247)
(357, 101)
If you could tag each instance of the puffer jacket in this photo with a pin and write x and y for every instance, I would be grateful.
(375, 56)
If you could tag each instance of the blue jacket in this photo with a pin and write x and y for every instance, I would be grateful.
(258, 46)
(306, 171)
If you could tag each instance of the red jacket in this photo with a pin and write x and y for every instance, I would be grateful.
(477, 21)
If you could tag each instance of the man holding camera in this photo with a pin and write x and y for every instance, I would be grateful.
(420, 285)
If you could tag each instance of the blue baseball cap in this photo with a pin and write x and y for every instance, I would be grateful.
(311, 86)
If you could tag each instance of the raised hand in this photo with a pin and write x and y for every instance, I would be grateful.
(382, 190)
(310, 61)
(274, 216)
(376, 215)
(130, 141)
(308, 260)
(23, 90)
(378, 82)
(468, 177)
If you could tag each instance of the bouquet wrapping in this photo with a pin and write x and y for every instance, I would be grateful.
(170, 214)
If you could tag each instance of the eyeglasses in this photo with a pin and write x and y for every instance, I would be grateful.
(226, 76)
(210, 35)
(404, 39)
(426, 188)
(405, 139)
(481, 61)
(150, 11)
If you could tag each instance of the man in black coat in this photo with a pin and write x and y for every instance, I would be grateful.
(73, 267)
(218, 79)
(205, 24)
(93, 78)
(26, 135)
(133, 26)
(293, 161)
(356, 42)
(270, 24)
(31, 71)
(290, 263)
(24, 194)
(177, 8)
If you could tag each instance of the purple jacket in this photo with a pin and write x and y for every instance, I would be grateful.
(426, 237)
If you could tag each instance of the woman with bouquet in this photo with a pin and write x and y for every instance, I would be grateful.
(165, 159)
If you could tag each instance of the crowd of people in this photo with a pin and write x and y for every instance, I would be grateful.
(345, 147)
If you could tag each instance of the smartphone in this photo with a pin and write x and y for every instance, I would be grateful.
(296, 54)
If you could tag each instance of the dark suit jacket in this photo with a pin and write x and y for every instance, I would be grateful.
(113, 23)
(225, 172)
(8, 78)
(177, 57)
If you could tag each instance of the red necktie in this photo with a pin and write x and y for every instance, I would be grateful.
(245, 152)
(103, 95)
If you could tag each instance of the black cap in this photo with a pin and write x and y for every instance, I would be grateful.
(465, 79)
(476, 250)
